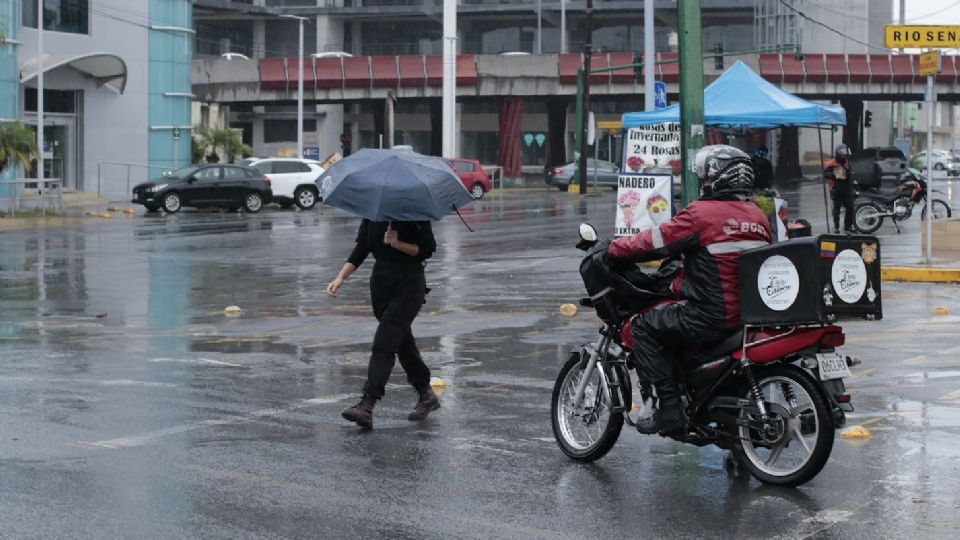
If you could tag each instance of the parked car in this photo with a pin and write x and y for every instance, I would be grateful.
(473, 176)
(292, 180)
(202, 185)
(942, 161)
(607, 174)
(872, 165)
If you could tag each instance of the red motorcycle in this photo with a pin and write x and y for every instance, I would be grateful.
(898, 206)
(774, 396)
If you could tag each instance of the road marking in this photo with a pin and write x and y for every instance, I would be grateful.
(951, 396)
(928, 357)
(150, 436)
(198, 361)
(878, 419)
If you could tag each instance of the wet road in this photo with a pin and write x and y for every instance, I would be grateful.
(131, 406)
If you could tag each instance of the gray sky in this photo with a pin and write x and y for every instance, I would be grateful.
(930, 11)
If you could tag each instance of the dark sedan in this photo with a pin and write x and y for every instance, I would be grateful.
(225, 186)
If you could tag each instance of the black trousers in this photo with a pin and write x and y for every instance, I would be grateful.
(842, 196)
(671, 327)
(397, 293)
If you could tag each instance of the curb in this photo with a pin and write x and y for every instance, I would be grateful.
(919, 274)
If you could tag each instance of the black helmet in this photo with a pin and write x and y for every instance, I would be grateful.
(721, 167)
(842, 151)
(761, 152)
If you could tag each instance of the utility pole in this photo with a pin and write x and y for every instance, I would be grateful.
(40, 97)
(691, 94)
(539, 26)
(449, 110)
(563, 26)
(299, 85)
(900, 104)
(649, 56)
(585, 108)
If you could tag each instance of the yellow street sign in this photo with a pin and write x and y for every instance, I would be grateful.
(930, 63)
(610, 124)
(917, 36)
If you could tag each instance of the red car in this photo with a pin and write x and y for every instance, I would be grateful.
(474, 178)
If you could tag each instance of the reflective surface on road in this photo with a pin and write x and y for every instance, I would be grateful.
(131, 405)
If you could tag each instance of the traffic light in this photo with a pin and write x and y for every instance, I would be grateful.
(718, 58)
(867, 118)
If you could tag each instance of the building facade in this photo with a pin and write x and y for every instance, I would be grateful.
(256, 29)
(116, 87)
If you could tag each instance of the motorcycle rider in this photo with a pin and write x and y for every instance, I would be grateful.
(839, 175)
(710, 234)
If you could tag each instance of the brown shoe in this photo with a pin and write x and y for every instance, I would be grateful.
(361, 413)
(427, 403)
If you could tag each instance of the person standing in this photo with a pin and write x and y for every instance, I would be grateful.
(397, 292)
(762, 169)
(838, 173)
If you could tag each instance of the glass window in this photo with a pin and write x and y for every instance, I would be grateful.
(463, 166)
(209, 173)
(287, 167)
(891, 153)
(233, 172)
(59, 15)
(57, 101)
(278, 131)
(265, 167)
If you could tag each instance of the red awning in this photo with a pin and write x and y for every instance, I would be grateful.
(273, 73)
(880, 70)
(669, 73)
(792, 68)
(328, 72)
(902, 65)
(384, 71)
(411, 71)
(434, 64)
(815, 67)
(568, 64)
(770, 67)
(837, 69)
(356, 71)
(625, 75)
(466, 70)
(309, 79)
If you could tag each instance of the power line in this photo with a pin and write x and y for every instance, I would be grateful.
(939, 11)
(830, 28)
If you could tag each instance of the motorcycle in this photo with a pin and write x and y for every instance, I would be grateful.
(773, 396)
(898, 205)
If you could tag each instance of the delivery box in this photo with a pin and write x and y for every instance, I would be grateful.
(812, 280)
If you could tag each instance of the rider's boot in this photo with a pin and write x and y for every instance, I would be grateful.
(427, 403)
(669, 417)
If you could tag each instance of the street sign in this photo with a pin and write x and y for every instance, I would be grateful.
(659, 94)
(915, 36)
(311, 152)
(176, 133)
(930, 63)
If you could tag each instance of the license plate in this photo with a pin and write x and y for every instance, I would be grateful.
(832, 366)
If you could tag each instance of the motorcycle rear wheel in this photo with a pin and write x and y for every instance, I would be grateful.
(867, 217)
(586, 433)
(795, 453)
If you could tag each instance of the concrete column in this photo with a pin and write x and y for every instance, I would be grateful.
(356, 35)
(258, 148)
(259, 38)
(329, 34)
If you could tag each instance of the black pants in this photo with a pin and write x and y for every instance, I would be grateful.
(672, 327)
(842, 196)
(397, 293)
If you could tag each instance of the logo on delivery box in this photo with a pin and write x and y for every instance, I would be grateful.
(778, 283)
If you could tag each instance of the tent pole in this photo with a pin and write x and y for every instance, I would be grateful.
(823, 180)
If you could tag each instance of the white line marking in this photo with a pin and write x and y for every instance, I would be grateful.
(140, 440)
(198, 361)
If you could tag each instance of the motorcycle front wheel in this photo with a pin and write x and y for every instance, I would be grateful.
(941, 210)
(867, 217)
(798, 434)
(588, 431)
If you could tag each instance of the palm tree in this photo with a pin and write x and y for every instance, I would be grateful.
(229, 141)
(18, 145)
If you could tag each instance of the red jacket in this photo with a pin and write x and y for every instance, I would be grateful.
(831, 169)
(710, 234)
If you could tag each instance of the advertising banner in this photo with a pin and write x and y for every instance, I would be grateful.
(652, 148)
(643, 200)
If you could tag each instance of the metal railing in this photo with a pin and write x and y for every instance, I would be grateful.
(50, 191)
(129, 167)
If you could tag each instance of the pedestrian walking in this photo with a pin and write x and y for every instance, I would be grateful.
(838, 173)
(397, 291)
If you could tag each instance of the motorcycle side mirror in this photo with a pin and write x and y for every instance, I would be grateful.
(588, 236)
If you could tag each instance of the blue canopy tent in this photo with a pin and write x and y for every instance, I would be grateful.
(741, 99)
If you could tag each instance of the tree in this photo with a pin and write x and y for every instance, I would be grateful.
(226, 140)
(18, 145)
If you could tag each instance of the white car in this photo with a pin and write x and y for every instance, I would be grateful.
(292, 180)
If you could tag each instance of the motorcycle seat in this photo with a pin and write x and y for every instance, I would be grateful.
(726, 346)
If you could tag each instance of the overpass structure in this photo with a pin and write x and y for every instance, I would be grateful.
(508, 81)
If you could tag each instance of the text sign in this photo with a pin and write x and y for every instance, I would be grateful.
(652, 148)
(907, 36)
(176, 134)
(643, 201)
(659, 94)
(930, 63)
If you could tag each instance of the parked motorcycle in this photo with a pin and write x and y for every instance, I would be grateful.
(898, 205)
(774, 396)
